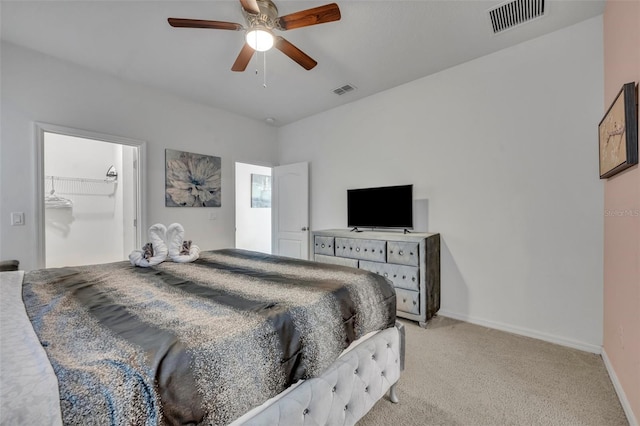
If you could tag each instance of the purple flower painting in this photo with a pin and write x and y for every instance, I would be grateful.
(192, 180)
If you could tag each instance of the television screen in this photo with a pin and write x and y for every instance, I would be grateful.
(384, 207)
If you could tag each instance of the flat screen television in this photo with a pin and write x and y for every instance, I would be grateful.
(383, 207)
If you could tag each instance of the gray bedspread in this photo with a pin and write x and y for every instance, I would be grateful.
(196, 343)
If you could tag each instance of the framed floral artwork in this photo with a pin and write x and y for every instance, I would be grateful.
(192, 180)
(618, 133)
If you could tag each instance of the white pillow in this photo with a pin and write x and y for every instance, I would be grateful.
(29, 392)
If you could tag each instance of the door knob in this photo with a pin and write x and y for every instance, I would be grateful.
(304, 228)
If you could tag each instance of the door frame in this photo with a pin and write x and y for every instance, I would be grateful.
(236, 201)
(140, 202)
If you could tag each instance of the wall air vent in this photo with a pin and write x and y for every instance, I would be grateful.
(514, 13)
(344, 89)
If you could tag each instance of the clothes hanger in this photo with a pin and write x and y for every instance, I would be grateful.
(53, 201)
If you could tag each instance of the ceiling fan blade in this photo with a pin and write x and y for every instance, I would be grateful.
(199, 23)
(250, 6)
(305, 18)
(243, 58)
(294, 53)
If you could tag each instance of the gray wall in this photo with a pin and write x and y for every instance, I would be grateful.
(504, 150)
(39, 88)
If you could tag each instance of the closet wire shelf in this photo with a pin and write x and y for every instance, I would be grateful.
(55, 185)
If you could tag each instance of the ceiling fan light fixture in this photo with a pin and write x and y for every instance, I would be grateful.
(260, 39)
(262, 18)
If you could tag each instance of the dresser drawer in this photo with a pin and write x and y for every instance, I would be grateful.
(323, 245)
(356, 248)
(408, 301)
(411, 262)
(407, 277)
(403, 253)
(336, 260)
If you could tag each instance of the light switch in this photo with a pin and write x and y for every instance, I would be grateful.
(17, 218)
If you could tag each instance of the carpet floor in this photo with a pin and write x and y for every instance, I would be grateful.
(457, 373)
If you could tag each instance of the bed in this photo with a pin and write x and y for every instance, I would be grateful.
(235, 337)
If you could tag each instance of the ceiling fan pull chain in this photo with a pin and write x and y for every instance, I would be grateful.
(264, 69)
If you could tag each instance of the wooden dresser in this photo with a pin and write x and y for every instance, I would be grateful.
(410, 261)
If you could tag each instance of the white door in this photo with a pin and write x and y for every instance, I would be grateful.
(290, 208)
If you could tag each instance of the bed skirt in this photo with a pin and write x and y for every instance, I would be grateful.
(344, 393)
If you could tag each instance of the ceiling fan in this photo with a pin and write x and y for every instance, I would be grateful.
(262, 18)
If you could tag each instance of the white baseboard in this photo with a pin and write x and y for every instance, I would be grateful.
(524, 332)
(626, 406)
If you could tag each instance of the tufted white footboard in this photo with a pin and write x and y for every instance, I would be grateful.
(345, 392)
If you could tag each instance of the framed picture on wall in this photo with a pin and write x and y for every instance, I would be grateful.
(260, 191)
(618, 133)
(192, 180)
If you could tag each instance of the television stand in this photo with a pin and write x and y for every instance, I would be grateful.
(406, 231)
(355, 229)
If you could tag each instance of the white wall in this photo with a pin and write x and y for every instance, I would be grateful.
(504, 148)
(36, 87)
(253, 225)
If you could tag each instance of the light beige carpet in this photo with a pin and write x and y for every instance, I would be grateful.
(457, 373)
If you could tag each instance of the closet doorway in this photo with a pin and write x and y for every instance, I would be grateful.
(90, 203)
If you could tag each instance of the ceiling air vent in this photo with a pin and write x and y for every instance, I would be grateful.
(514, 13)
(344, 89)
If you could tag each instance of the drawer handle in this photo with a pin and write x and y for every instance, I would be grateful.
(413, 279)
(404, 277)
(322, 246)
(386, 275)
(390, 251)
(414, 302)
(357, 248)
(410, 253)
(404, 300)
(365, 249)
(400, 252)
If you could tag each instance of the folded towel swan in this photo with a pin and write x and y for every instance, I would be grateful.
(154, 252)
(165, 243)
(179, 250)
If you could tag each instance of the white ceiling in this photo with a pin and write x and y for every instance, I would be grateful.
(376, 45)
